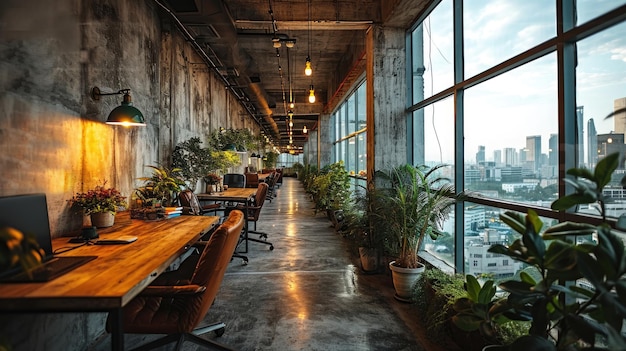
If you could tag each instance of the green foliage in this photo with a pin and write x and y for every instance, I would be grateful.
(239, 139)
(414, 202)
(195, 161)
(99, 199)
(19, 249)
(331, 188)
(435, 293)
(162, 187)
(270, 159)
(566, 314)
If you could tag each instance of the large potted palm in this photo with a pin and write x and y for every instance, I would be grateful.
(418, 201)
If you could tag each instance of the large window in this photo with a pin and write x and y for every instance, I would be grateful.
(350, 134)
(511, 101)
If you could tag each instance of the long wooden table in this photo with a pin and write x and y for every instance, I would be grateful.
(120, 272)
(239, 195)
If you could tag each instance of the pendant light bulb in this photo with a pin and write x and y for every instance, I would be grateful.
(292, 105)
(311, 94)
(304, 130)
(307, 67)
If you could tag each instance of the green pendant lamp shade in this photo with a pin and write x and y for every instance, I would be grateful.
(126, 114)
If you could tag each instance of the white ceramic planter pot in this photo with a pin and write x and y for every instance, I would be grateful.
(404, 280)
(102, 219)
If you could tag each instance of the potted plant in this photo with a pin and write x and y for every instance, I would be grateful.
(193, 161)
(578, 299)
(212, 180)
(232, 139)
(161, 188)
(415, 201)
(101, 203)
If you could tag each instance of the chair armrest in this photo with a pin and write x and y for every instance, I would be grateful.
(171, 290)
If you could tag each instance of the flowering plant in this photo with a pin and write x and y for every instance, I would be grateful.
(212, 178)
(99, 199)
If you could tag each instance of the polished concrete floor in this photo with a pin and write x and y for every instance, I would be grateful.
(308, 293)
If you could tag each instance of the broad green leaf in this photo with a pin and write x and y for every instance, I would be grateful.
(560, 256)
(605, 168)
(515, 220)
(568, 228)
(472, 286)
(581, 173)
(565, 202)
(487, 292)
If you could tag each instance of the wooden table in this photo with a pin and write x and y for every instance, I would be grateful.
(120, 272)
(239, 195)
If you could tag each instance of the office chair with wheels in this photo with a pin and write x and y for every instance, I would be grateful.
(253, 214)
(177, 302)
(191, 206)
(252, 180)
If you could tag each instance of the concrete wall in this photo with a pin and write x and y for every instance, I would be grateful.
(52, 134)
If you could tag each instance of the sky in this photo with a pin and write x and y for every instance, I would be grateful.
(503, 111)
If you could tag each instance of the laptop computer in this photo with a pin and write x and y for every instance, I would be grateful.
(29, 214)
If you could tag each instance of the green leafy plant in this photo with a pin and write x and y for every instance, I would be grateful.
(414, 202)
(19, 250)
(99, 199)
(270, 159)
(232, 139)
(330, 188)
(579, 299)
(162, 187)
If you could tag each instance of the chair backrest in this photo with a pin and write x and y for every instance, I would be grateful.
(213, 262)
(252, 180)
(259, 200)
(234, 180)
(190, 202)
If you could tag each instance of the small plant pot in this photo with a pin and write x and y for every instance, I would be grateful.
(369, 259)
(102, 219)
(404, 280)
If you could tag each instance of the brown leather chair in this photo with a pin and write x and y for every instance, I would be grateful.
(177, 302)
(252, 180)
(191, 205)
(254, 212)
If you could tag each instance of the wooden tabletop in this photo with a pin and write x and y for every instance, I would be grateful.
(232, 194)
(118, 274)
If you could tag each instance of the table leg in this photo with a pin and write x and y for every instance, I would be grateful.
(117, 332)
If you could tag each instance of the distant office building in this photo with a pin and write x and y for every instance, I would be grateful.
(510, 157)
(553, 151)
(592, 142)
(533, 152)
(619, 118)
(480, 261)
(511, 174)
(580, 145)
(497, 157)
(480, 155)
(610, 143)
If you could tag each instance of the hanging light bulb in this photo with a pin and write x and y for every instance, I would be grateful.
(292, 104)
(307, 67)
(311, 94)
(304, 130)
(290, 123)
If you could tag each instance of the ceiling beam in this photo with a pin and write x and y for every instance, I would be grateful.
(304, 25)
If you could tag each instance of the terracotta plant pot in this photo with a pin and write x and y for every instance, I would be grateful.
(369, 259)
(102, 219)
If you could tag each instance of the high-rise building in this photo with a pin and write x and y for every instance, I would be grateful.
(497, 157)
(533, 152)
(592, 144)
(510, 157)
(619, 117)
(580, 147)
(611, 143)
(480, 155)
(553, 151)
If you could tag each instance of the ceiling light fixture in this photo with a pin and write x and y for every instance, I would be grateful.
(304, 130)
(126, 114)
(307, 65)
(311, 94)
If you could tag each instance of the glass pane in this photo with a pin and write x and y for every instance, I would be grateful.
(362, 154)
(589, 9)
(497, 30)
(600, 91)
(361, 107)
(433, 54)
(351, 156)
(437, 121)
(520, 109)
(351, 114)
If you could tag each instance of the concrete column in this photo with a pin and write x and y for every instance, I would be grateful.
(386, 98)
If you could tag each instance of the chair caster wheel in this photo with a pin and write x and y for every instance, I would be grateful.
(271, 247)
(244, 262)
(220, 331)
